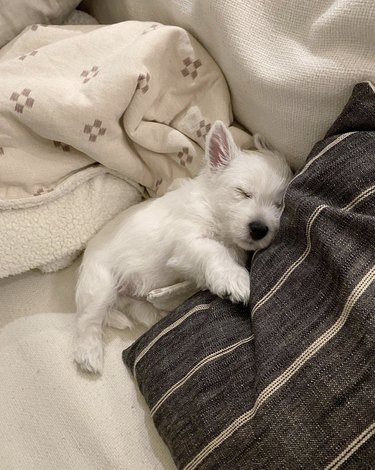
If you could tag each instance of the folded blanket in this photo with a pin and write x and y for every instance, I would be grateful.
(137, 98)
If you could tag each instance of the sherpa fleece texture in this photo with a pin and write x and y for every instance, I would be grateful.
(50, 230)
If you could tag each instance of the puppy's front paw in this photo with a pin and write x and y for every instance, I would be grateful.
(89, 354)
(231, 283)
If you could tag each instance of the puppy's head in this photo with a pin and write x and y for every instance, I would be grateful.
(246, 188)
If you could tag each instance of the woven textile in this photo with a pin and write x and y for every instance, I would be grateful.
(288, 383)
(290, 64)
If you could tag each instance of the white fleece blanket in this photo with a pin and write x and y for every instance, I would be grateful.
(135, 98)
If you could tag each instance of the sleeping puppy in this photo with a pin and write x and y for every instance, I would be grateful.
(199, 232)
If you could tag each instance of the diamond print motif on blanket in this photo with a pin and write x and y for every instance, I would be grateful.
(34, 27)
(204, 128)
(62, 146)
(30, 54)
(184, 156)
(22, 100)
(89, 74)
(143, 82)
(151, 28)
(191, 67)
(94, 130)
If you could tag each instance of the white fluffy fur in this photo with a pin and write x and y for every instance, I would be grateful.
(199, 231)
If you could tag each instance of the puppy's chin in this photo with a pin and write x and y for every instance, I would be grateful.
(251, 245)
(246, 245)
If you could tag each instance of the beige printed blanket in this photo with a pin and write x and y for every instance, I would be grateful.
(90, 118)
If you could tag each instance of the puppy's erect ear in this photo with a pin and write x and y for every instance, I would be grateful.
(261, 143)
(220, 146)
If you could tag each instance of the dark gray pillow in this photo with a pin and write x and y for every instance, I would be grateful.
(288, 383)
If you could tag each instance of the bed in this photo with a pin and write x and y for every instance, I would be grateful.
(88, 127)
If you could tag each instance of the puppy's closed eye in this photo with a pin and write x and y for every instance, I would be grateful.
(244, 194)
(278, 204)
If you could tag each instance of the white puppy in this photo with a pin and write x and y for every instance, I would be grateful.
(198, 232)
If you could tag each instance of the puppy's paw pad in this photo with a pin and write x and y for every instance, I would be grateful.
(89, 355)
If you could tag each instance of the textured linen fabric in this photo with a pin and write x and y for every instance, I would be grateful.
(138, 98)
(79, 17)
(289, 382)
(15, 15)
(290, 64)
(53, 416)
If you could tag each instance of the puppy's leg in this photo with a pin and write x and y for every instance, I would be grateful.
(210, 265)
(118, 320)
(140, 311)
(143, 312)
(95, 295)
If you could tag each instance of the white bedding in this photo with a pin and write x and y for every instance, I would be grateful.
(290, 64)
(52, 416)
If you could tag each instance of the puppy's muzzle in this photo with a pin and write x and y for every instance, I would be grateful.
(258, 230)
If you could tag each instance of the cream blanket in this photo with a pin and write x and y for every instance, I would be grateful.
(290, 65)
(137, 98)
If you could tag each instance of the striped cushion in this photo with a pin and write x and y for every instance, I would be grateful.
(291, 385)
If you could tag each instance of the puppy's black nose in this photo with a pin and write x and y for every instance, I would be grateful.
(258, 230)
